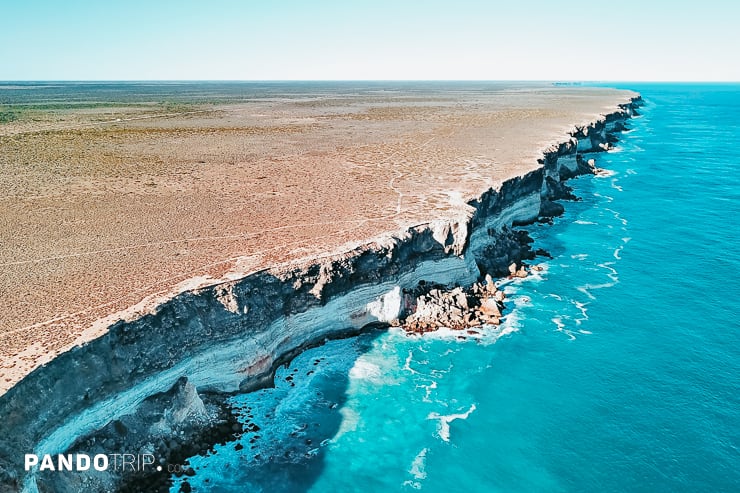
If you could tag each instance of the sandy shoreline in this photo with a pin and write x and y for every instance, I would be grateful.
(100, 214)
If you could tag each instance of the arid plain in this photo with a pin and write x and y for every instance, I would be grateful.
(110, 203)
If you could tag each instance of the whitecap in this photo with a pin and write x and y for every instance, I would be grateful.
(439, 373)
(608, 199)
(364, 370)
(313, 452)
(407, 364)
(444, 420)
(418, 466)
(581, 221)
(486, 334)
(350, 420)
(613, 274)
(446, 334)
(508, 326)
(586, 289)
(617, 216)
(582, 308)
(511, 322)
(428, 391)
(617, 253)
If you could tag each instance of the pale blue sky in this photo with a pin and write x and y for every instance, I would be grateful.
(359, 39)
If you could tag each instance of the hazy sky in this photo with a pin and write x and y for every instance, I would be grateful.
(380, 39)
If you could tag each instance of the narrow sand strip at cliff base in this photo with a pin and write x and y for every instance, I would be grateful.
(104, 209)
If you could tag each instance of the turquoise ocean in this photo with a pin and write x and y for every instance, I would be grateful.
(617, 368)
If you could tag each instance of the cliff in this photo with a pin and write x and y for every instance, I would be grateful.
(231, 336)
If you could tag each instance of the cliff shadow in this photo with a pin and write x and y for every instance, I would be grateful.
(287, 426)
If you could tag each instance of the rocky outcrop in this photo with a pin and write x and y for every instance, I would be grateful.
(433, 307)
(159, 368)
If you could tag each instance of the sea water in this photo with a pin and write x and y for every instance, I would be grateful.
(617, 368)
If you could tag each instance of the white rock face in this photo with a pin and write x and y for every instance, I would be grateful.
(225, 295)
(452, 235)
(388, 307)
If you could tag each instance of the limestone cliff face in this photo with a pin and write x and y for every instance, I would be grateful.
(231, 337)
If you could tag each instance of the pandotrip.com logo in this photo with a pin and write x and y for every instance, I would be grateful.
(98, 462)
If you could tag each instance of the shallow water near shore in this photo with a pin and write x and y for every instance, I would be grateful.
(617, 368)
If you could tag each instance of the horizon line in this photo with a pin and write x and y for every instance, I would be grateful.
(567, 81)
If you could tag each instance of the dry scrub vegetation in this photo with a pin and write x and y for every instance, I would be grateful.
(101, 207)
